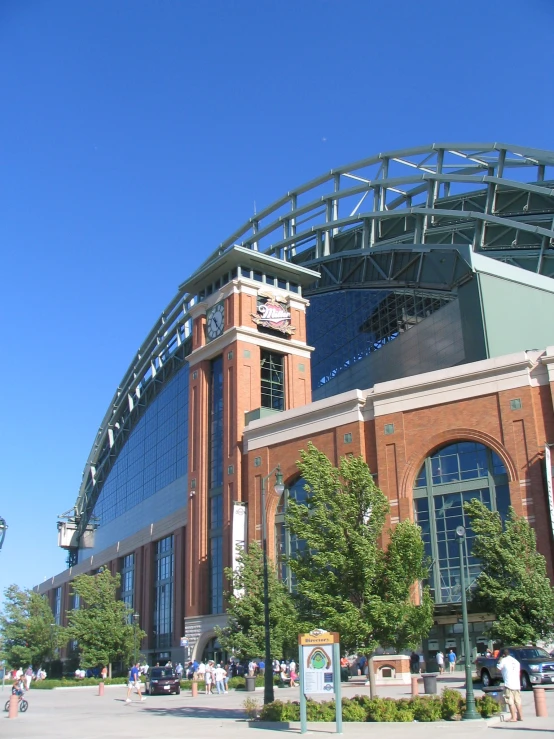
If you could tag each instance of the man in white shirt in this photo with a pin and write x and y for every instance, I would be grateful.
(220, 675)
(510, 669)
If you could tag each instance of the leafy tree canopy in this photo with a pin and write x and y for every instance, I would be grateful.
(513, 583)
(102, 626)
(245, 634)
(346, 581)
(29, 635)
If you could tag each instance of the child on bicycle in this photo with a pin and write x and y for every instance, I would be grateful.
(18, 687)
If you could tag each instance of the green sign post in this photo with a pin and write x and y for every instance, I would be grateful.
(319, 662)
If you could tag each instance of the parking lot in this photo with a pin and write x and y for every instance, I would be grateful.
(80, 713)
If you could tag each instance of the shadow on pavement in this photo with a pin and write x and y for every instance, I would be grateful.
(197, 712)
(503, 727)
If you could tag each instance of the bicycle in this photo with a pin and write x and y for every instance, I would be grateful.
(23, 704)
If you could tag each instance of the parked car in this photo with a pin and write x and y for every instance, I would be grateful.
(162, 680)
(537, 667)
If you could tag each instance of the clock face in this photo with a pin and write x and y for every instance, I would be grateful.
(215, 321)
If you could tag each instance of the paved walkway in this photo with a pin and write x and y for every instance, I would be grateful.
(79, 713)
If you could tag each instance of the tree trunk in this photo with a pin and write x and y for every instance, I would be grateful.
(371, 678)
(110, 670)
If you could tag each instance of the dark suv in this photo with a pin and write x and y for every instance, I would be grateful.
(162, 680)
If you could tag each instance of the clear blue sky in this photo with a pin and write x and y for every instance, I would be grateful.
(135, 135)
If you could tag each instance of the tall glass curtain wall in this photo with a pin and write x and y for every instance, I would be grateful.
(215, 496)
(347, 325)
(128, 580)
(154, 455)
(163, 593)
(449, 478)
(287, 544)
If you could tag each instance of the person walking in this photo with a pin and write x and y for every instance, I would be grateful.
(293, 675)
(414, 663)
(209, 678)
(28, 677)
(452, 660)
(283, 673)
(134, 682)
(440, 661)
(510, 668)
(201, 671)
(219, 675)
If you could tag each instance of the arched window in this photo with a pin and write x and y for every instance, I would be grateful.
(287, 544)
(213, 651)
(447, 479)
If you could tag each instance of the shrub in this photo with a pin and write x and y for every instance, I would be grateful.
(452, 703)
(427, 709)
(404, 710)
(364, 708)
(279, 711)
(352, 711)
(381, 709)
(251, 708)
(49, 684)
(487, 706)
(315, 711)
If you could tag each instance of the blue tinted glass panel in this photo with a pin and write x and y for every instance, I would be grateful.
(216, 574)
(154, 455)
(163, 593)
(216, 424)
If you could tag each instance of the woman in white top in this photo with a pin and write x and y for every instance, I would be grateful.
(209, 677)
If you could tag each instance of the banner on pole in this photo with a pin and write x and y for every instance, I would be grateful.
(238, 538)
(549, 491)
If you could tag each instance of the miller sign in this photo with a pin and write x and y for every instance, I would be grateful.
(273, 313)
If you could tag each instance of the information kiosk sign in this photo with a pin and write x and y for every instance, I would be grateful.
(319, 662)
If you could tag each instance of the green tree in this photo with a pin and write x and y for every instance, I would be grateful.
(28, 633)
(513, 583)
(245, 633)
(102, 627)
(346, 581)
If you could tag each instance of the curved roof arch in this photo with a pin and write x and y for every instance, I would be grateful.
(387, 220)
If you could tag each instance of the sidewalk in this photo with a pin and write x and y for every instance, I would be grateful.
(66, 714)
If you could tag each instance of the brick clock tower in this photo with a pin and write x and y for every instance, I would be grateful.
(249, 359)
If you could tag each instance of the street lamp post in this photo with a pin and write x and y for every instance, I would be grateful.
(470, 713)
(269, 695)
(135, 622)
(3, 528)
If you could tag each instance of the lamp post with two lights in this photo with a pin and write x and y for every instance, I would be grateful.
(470, 713)
(135, 624)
